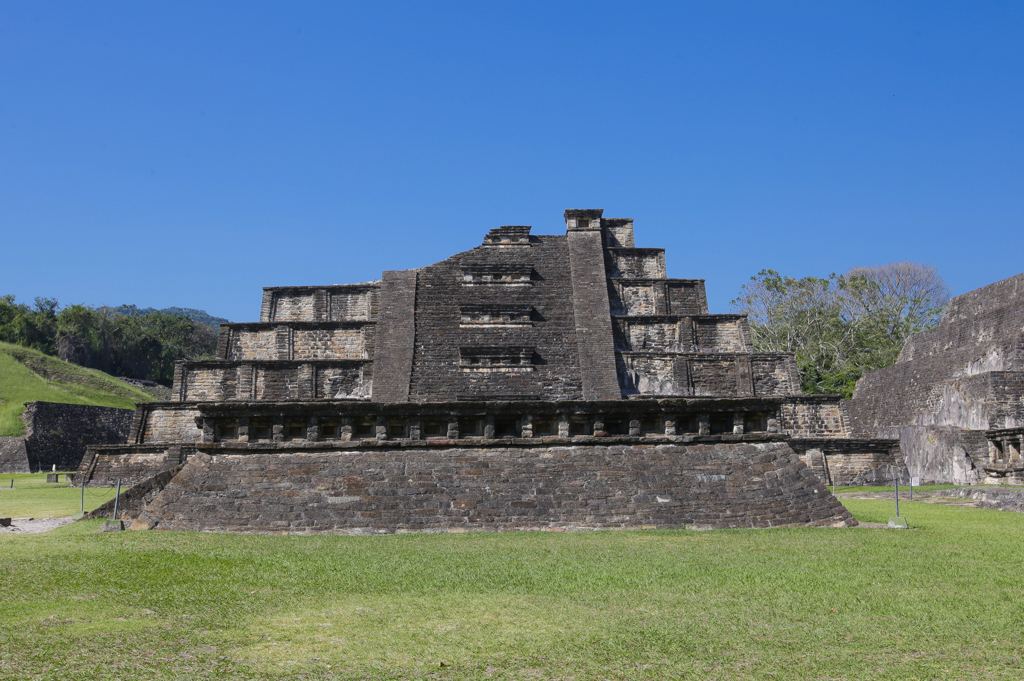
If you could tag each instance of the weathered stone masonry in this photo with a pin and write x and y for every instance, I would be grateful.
(511, 487)
(955, 397)
(58, 434)
(533, 381)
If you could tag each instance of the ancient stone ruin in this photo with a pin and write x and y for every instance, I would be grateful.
(535, 381)
(58, 434)
(955, 397)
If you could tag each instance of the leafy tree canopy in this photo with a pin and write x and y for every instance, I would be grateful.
(843, 326)
(123, 341)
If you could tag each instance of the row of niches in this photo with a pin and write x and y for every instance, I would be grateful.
(508, 235)
(513, 275)
(283, 429)
(505, 358)
(1006, 449)
(496, 315)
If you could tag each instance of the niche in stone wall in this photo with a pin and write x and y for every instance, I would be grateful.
(755, 422)
(434, 428)
(652, 425)
(650, 374)
(295, 430)
(721, 423)
(580, 425)
(227, 430)
(363, 430)
(616, 425)
(471, 427)
(545, 427)
(261, 429)
(506, 427)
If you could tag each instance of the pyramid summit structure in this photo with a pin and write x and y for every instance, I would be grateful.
(532, 381)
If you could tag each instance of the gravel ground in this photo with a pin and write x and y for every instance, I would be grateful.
(34, 525)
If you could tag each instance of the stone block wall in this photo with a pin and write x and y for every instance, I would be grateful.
(647, 334)
(398, 335)
(296, 341)
(967, 372)
(169, 423)
(814, 416)
(439, 371)
(635, 263)
(57, 434)
(707, 374)
(14, 455)
(979, 331)
(693, 334)
(618, 232)
(217, 381)
(721, 333)
(591, 307)
(464, 489)
(653, 297)
(943, 454)
(838, 461)
(132, 464)
(351, 302)
(775, 374)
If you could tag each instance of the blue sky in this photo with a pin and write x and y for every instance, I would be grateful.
(189, 154)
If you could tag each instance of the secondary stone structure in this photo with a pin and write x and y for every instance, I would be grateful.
(955, 397)
(57, 435)
(534, 381)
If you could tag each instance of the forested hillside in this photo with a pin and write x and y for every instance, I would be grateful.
(124, 341)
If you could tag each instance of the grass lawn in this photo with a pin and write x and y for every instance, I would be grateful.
(942, 601)
(33, 497)
(28, 375)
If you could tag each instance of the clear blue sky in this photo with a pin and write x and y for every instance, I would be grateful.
(189, 154)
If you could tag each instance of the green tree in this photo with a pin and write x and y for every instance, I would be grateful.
(28, 326)
(842, 327)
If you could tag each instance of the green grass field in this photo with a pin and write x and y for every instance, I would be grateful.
(27, 376)
(33, 497)
(941, 601)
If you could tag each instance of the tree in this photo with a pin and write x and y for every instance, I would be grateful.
(895, 301)
(842, 327)
(31, 327)
(122, 341)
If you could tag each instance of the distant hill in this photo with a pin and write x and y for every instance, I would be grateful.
(28, 375)
(200, 316)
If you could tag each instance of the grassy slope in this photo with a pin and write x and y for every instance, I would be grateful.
(942, 601)
(27, 375)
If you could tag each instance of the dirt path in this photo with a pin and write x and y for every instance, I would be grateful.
(35, 525)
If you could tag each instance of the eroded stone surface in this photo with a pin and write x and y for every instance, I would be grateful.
(555, 381)
(576, 487)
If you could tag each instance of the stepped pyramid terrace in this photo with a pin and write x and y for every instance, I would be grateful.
(556, 381)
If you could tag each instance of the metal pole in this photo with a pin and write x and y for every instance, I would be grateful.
(897, 497)
(118, 497)
(83, 495)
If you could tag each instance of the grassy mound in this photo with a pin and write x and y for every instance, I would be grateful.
(28, 376)
(940, 601)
